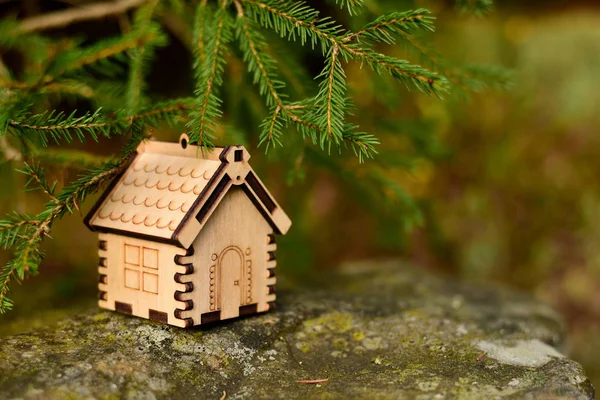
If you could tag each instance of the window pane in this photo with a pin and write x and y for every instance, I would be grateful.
(132, 254)
(150, 258)
(132, 279)
(150, 282)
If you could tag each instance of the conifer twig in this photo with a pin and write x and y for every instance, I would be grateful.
(55, 67)
(60, 19)
(200, 26)
(210, 77)
(28, 253)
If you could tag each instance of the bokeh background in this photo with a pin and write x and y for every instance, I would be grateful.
(498, 186)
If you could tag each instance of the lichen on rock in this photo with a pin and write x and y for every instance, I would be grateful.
(382, 330)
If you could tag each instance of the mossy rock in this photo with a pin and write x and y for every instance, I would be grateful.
(382, 330)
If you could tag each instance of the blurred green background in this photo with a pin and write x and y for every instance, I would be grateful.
(507, 183)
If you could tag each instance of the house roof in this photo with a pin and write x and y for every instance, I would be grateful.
(169, 191)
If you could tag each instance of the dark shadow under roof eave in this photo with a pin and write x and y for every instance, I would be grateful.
(172, 240)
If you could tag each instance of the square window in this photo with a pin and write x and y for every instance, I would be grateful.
(132, 279)
(132, 254)
(150, 283)
(150, 258)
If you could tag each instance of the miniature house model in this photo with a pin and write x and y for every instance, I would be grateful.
(186, 236)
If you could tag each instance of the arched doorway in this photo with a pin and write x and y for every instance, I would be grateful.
(231, 281)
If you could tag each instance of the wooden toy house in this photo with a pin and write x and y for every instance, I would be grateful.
(187, 237)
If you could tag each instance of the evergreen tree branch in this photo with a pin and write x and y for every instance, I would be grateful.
(272, 128)
(295, 18)
(385, 27)
(139, 58)
(167, 111)
(58, 158)
(199, 44)
(56, 68)
(477, 7)
(28, 254)
(203, 123)
(76, 59)
(37, 174)
(60, 126)
(290, 18)
(332, 97)
(470, 78)
(353, 6)
(12, 223)
(259, 62)
(401, 70)
(60, 19)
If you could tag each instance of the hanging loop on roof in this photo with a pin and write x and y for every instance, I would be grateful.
(184, 140)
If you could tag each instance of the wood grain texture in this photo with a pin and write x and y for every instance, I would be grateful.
(150, 285)
(230, 259)
(192, 238)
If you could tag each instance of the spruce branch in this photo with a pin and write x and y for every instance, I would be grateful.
(295, 19)
(56, 127)
(353, 6)
(384, 28)
(320, 113)
(401, 70)
(57, 158)
(169, 111)
(76, 59)
(256, 55)
(477, 78)
(329, 115)
(477, 7)
(289, 19)
(363, 144)
(209, 77)
(26, 235)
(466, 79)
(37, 175)
(11, 228)
(140, 57)
(271, 129)
(199, 41)
(60, 19)
(60, 126)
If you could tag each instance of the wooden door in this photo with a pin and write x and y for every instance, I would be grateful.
(231, 264)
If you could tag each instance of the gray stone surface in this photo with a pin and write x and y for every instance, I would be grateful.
(380, 330)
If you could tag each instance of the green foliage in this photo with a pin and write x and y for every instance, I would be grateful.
(58, 126)
(353, 6)
(141, 57)
(477, 7)
(385, 28)
(261, 64)
(209, 77)
(108, 78)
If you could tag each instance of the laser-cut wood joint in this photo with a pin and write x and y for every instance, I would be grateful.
(123, 308)
(158, 316)
(210, 317)
(248, 309)
(187, 236)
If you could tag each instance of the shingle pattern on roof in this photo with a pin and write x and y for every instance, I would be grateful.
(155, 194)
